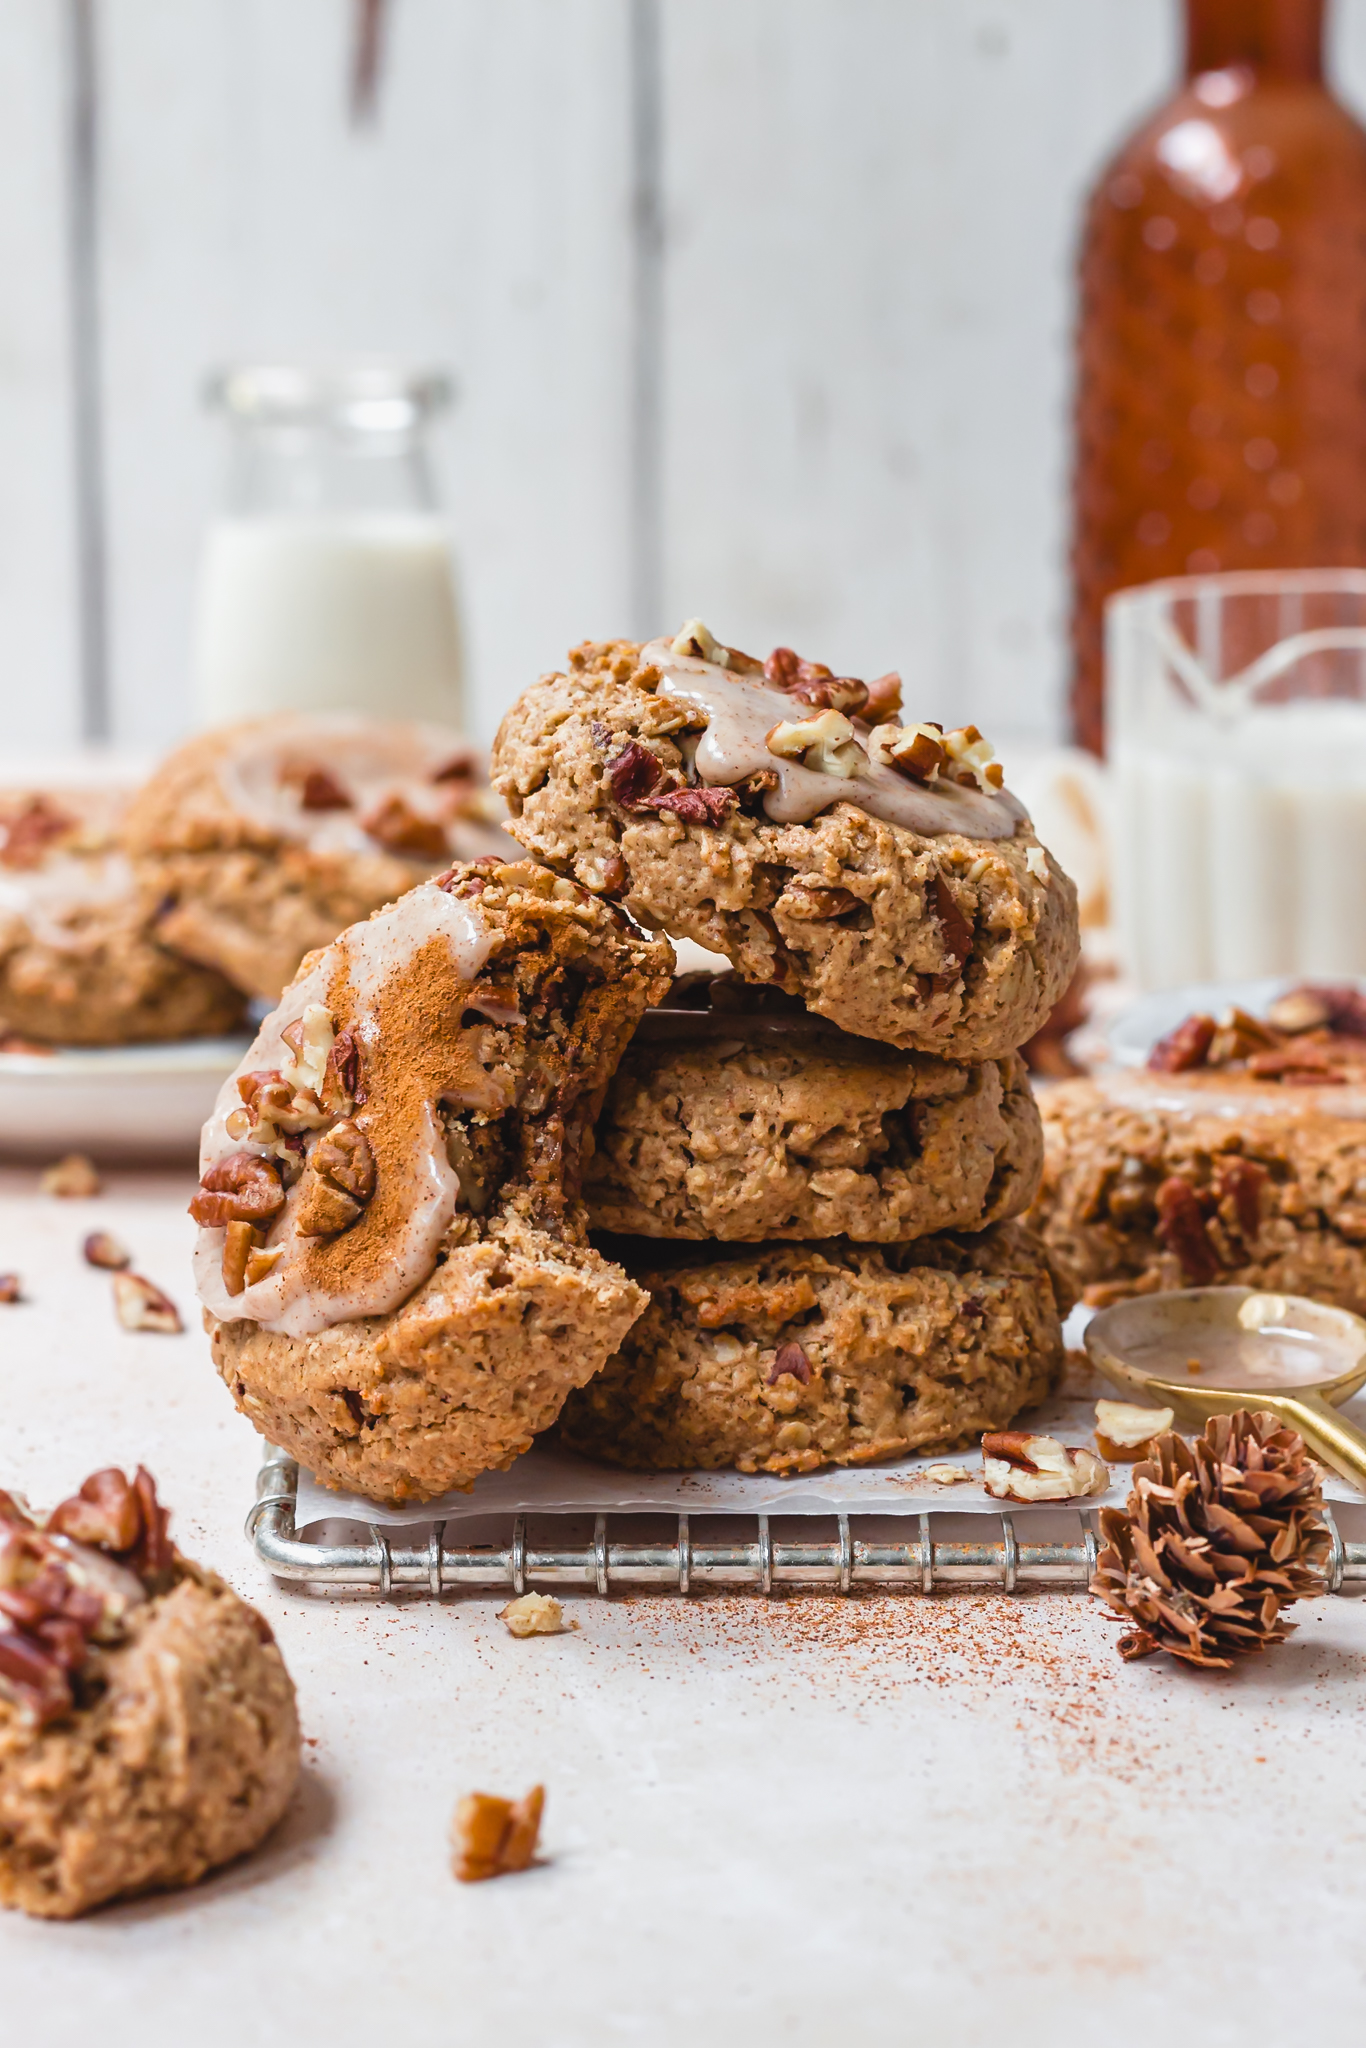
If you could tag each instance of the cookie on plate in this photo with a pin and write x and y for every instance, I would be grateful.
(1245, 1169)
(81, 959)
(393, 1249)
(788, 1357)
(737, 1115)
(148, 1729)
(264, 840)
(879, 872)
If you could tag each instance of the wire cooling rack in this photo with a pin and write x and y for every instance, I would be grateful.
(393, 1560)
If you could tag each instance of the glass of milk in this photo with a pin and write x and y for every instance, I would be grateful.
(1236, 733)
(328, 584)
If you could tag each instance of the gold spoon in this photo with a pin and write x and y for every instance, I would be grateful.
(1209, 1350)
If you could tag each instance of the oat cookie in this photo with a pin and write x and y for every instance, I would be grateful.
(81, 960)
(266, 839)
(393, 1249)
(737, 1115)
(892, 886)
(788, 1357)
(1154, 1181)
(148, 1729)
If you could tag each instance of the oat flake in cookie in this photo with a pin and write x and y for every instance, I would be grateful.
(737, 1115)
(785, 817)
(393, 1249)
(148, 1731)
(264, 840)
(784, 1358)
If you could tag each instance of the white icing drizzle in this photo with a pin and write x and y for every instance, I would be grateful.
(370, 758)
(373, 953)
(742, 709)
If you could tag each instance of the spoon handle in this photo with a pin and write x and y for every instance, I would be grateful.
(1330, 1436)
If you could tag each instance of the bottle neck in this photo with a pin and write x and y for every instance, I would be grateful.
(1278, 39)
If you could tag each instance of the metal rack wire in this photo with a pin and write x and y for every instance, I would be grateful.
(386, 1563)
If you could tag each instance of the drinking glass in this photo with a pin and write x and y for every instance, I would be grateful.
(1236, 730)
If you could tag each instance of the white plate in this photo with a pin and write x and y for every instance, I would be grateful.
(119, 1103)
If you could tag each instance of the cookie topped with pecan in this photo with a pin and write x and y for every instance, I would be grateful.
(147, 1722)
(266, 839)
(393, 1246)
(787, 817)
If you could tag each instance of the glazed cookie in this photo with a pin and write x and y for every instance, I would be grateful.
(265, 840)
(147, 1723)
(789, 1357)
(81, 962)
(878, 872)
(737, 1115)
(393, 1250)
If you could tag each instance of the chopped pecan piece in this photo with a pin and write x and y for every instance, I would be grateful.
(240, 1240)
(915, 751)
(1181, 1228)
(100, 1249)
(831, 693)
(338, 1182)
(790, 1358)
(698, 806)
(106, 1513)
(239, 1189)
(398, 828)
(884, 698)
(26, 835)
(9, 1287)
(1184, 1048)
(1243, 1182)
(747, 1301)
(1018, 1466)
(1237, 1036)
(495, 1837)
(141, 1306)
(782, 668)
(459, 768)
(1299, 1065)
(342, 1088)
(1300, 1009)
(954, 929)
(73, 1178)
(818, 905)
(633, 774)
(318, 787)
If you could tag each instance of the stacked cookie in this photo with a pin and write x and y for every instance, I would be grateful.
(811, 1164)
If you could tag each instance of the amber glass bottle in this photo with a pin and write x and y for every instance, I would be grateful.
(1221, 374)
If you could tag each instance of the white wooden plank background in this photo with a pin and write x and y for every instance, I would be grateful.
(868, 206)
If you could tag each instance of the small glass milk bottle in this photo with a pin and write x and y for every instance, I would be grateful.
(327, 584)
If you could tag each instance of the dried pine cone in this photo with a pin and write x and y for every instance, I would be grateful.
(1216, 1539)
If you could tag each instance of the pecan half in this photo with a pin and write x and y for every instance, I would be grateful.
(398, 828)
(633, 774)
(1181, 1228)
(1184, 1048)
(239, 1189)
(884, 698)
(106, 1513)
(699, 806)
(782, 668)
(790, 1358)
(1243, 1182)
(1018, 1466)
(338, 1182)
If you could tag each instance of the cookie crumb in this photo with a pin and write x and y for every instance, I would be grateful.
(72, 1178)
(495, 1837)
(141, 1306)
(536, 1614)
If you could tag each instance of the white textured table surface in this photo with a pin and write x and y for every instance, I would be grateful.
(950, 1821)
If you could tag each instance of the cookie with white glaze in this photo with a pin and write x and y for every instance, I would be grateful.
(82, 961)
(264, 840)
(923, 913)
(148, 1730)
(393, 1251)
